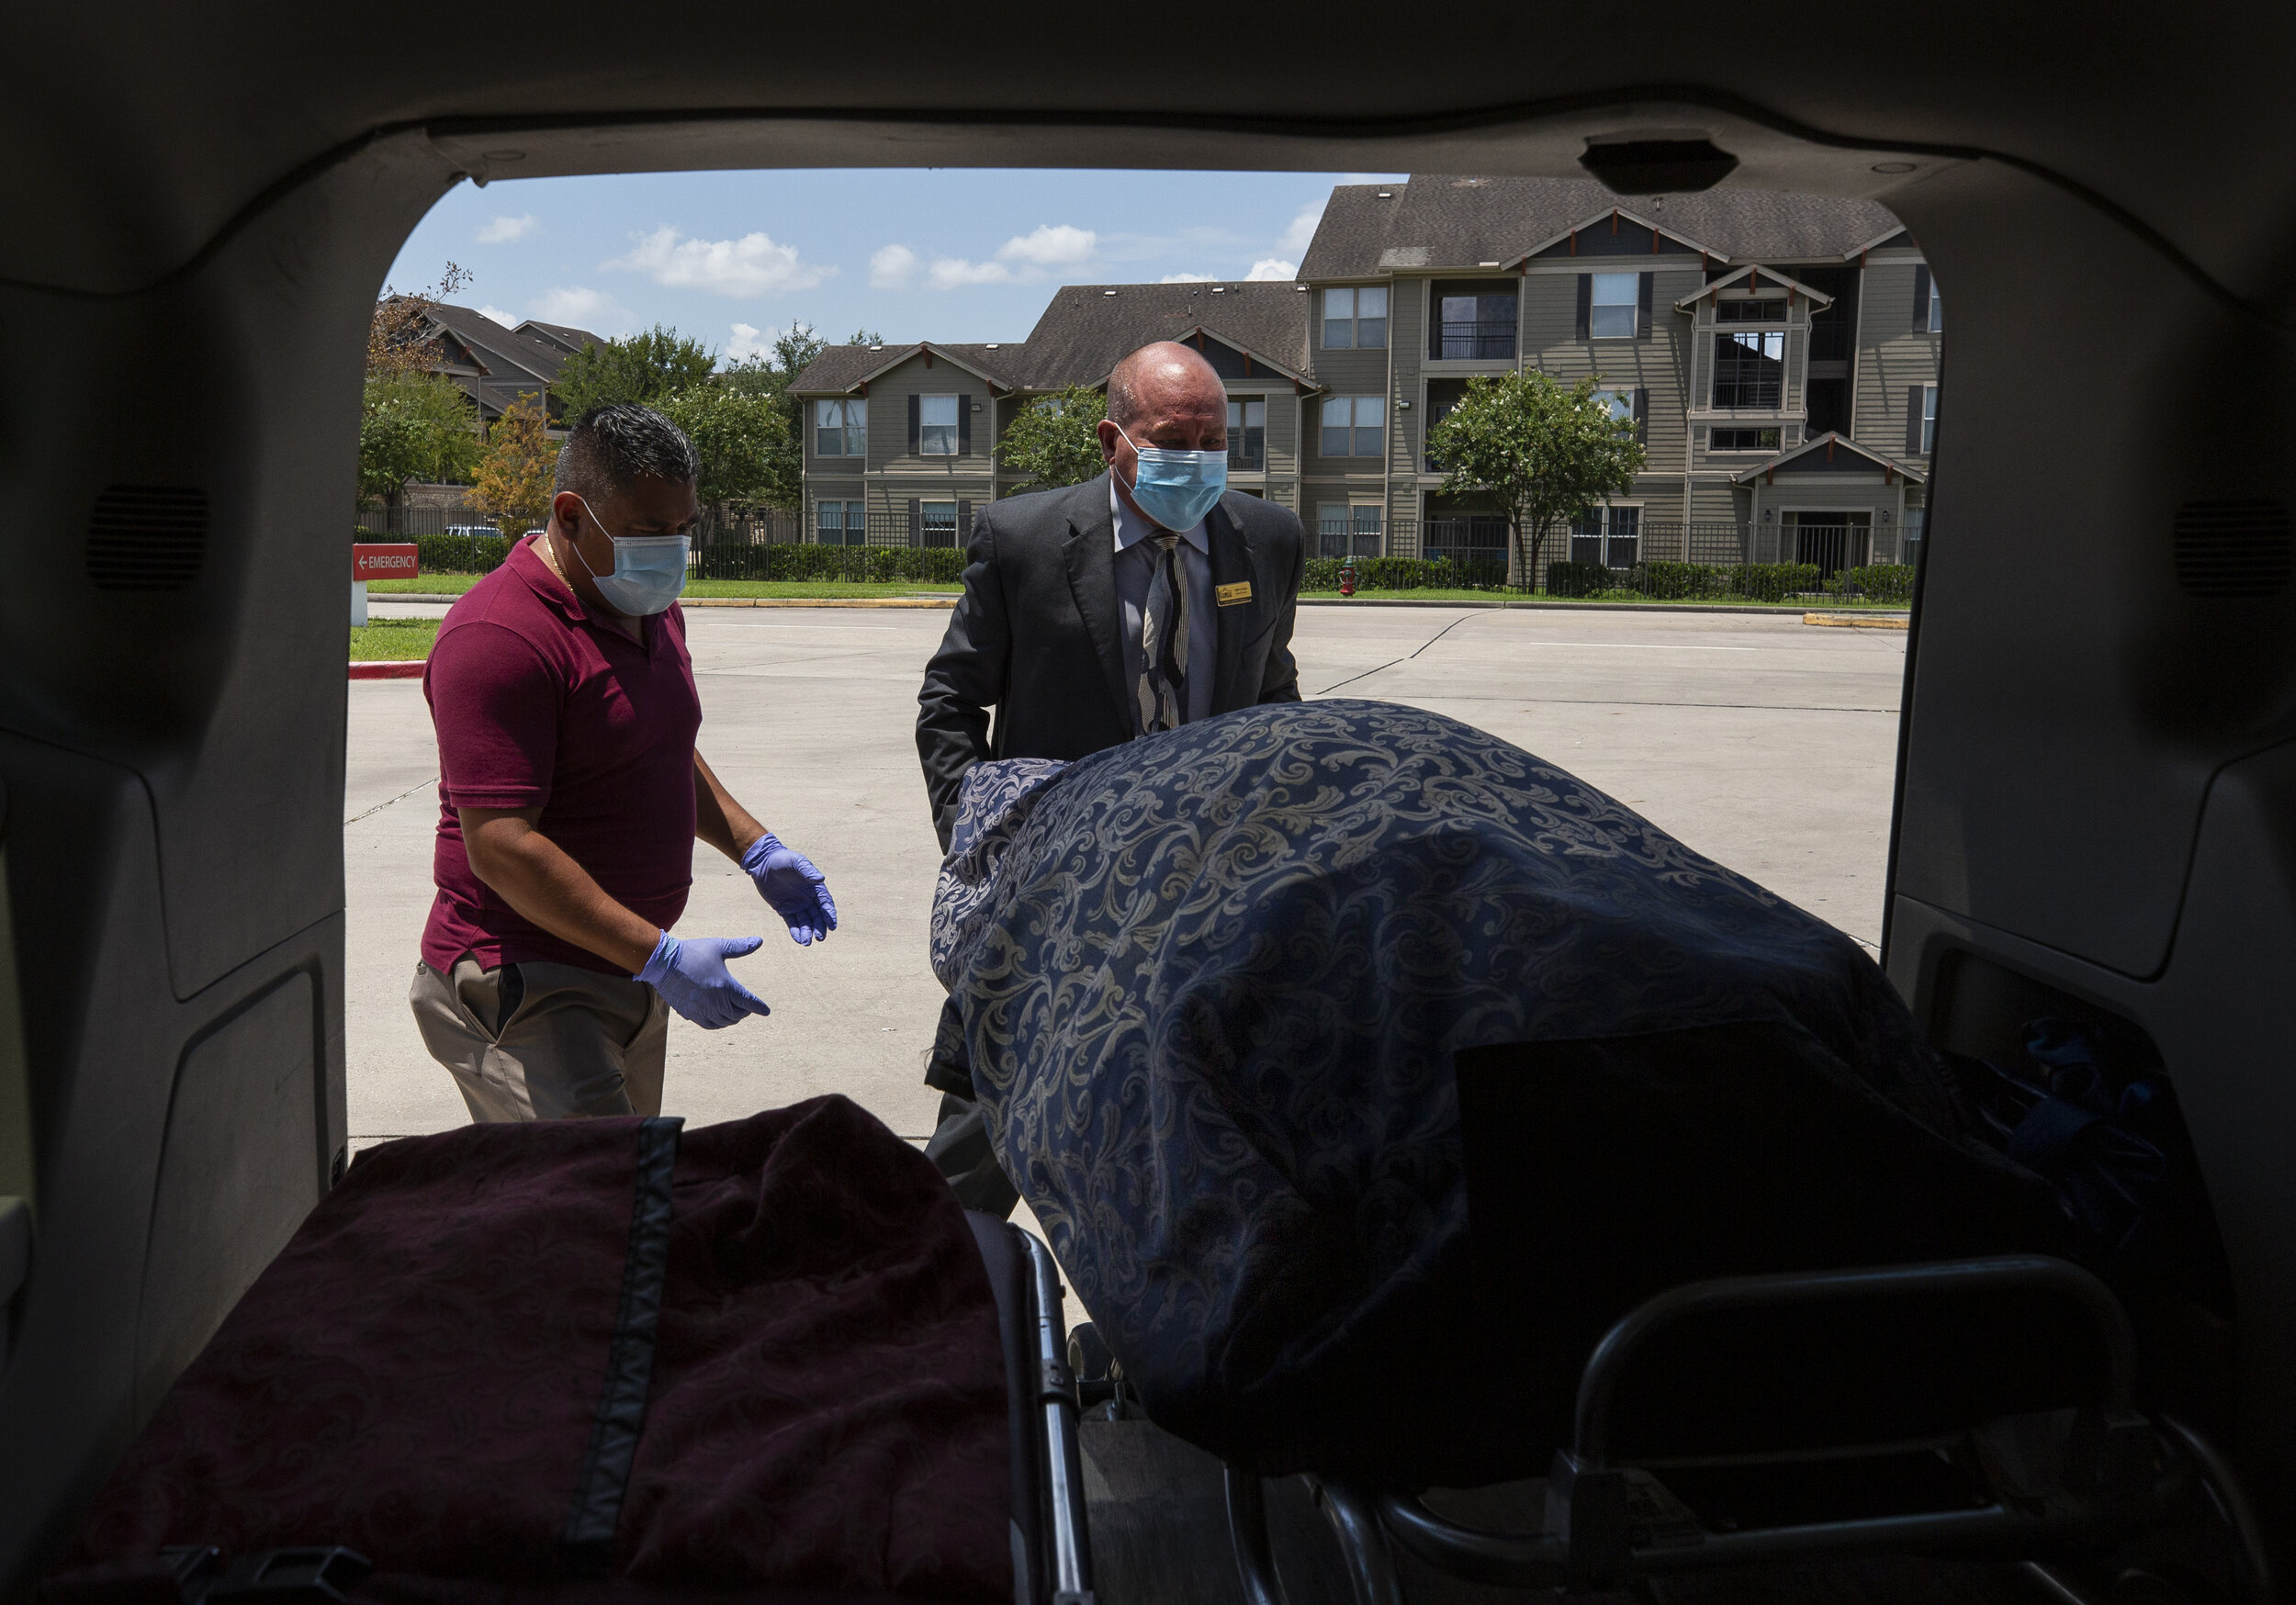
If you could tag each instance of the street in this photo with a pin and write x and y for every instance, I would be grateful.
(1759, 741)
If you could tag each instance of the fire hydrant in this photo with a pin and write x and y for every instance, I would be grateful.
(1347, 579)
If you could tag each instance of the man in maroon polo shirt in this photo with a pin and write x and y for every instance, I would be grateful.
(571, 796)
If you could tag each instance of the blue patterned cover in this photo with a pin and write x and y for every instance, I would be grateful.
(1210, 984)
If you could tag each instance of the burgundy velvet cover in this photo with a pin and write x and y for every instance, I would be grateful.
(415, 1375)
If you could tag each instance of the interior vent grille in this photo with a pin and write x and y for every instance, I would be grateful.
(2232, 549)
(147, 537)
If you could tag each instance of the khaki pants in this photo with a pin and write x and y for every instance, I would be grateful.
(574, 1042)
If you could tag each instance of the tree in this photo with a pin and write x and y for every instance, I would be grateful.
(769, 377)
(646, 368)
(1056, 440)
(399, 334)
(864, 337)
(1541, 454)
(514, 477)
(739, 437)
(413, 425)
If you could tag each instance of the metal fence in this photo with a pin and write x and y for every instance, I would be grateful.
(737, 526)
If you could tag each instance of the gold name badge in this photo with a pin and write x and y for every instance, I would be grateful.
(1230, 595)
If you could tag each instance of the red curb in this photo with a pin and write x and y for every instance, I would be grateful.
(409, 669)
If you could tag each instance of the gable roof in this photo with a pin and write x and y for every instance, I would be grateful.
(840, 369)
(1085, 330)
(1756, 277)
(505, 355)
(562, 335)
(1439, 220)
(1831, 442)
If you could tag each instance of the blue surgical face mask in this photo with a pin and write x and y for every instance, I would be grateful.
(1176, 488)
(649, 570)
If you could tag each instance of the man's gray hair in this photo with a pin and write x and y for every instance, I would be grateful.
(610, 448)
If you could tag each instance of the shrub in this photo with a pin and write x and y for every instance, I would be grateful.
(845, 565)
(1679, 582)
(1405, 574)
(1883, 582)
(1578, 580)
(1771, 582)
(458, 553)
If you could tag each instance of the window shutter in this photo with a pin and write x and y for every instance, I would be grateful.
(1913, 420)
(1586, 302)
(917, 506)
(964, 523)
(1642, 321)
(916, 415)
(1642, 396)
(965, 426)
(1920, 300)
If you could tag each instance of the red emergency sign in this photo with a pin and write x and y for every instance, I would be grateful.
(377, 560)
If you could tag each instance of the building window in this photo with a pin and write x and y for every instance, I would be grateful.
(1610, 307)
(1343, 531)
(1475, 321)
(1247, 433)
(1748, 309)
(840, 429)
(937, 426)
(840, 524)
(1620, 402)
(1937, 309)
(939, 520)
(1745, 439)
(1355, 320)
(1749, 369)
(1353, 425)
(1929, 418)
(1609, 536)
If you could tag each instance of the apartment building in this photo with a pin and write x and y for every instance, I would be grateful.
(1778, 352)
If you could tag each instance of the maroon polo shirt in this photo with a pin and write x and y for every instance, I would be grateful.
(539, 705)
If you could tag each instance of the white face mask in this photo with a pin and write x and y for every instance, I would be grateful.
(649, 570)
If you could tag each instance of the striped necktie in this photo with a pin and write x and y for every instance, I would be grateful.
(1162, 690)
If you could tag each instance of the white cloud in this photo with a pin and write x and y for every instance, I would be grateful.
(1186, 279)
(1051, 245)
(502, 231)
(751, 265)
(950, 273)
(1270, 267)
(892, 268)
(1302, 229)
(585, 308)
(507, 319)
(746, 342)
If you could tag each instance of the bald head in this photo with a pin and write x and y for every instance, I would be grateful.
(1160, 378)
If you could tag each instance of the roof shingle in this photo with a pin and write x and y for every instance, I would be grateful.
(1441, 220)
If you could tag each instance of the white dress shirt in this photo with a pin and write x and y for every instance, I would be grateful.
(1135, 571)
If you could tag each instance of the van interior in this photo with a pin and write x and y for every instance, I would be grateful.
(2095, 813)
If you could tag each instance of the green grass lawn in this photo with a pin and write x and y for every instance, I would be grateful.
(455, 584)
(1799, 605)
(392, 640)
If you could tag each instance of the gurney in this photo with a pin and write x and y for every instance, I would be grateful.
(1242, 1002)
(608, 1361)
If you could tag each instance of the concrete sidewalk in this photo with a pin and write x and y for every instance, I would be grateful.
(1765, 745)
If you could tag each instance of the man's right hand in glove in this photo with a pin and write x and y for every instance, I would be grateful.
(692, 977)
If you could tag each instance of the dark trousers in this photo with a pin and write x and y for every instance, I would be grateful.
(960, 1148)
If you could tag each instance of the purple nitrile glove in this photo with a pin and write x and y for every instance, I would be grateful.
(787, 880)
(692, 979)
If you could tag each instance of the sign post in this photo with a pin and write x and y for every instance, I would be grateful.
(377, 560)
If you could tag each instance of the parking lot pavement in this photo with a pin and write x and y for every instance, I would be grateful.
(1763, 743)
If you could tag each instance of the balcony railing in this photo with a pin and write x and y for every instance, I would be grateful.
(1830, 341)
(1475, 341)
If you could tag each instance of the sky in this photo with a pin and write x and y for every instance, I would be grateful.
(735, 259)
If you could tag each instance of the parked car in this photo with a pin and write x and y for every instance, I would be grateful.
(472, 530)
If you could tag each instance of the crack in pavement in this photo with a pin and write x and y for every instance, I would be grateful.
(387, 802)
(1392, 662)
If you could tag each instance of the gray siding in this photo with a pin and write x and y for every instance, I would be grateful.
(1892, 358)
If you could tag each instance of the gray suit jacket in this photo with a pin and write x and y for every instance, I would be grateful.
(1035, 635)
